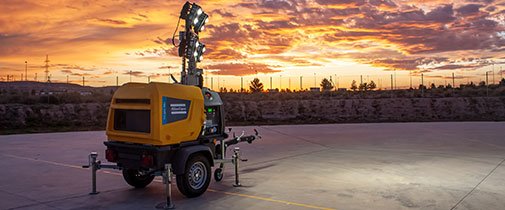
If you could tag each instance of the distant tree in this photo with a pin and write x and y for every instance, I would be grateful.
(354, 87)
(448, 86)
(326, 84)
(441, 87)
(482, 84)
(363, 87)
(472, 85)
(502, 82)
(422, 87)
(372, 85)
(231, 90)
(223, 90)
(256, 86)
(432, 86)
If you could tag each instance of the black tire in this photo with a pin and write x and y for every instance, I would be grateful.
(218, 174)
(196, 178)
(135, 179)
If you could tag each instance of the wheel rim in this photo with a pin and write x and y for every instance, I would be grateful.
(197, 175)
(139, 176)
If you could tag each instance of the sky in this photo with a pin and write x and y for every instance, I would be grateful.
(282, 39)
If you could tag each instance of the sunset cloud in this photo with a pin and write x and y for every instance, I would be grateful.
(253, 36)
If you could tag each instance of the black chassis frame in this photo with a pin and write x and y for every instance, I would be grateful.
(129, 154)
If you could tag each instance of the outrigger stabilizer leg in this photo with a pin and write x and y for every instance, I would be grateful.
(95, 165)
(167, 180)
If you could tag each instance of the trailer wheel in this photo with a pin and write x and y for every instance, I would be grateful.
(218, 174)
(196, 177)
(134, 178)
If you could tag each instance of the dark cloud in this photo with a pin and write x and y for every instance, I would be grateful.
(240, 69)
(168, 67)
(135, 73)
(159, 40)
(469, 9)
(223, 54)
(112, 21)
(397, 64)
(341, 2)
(223, 13)
(442, 14)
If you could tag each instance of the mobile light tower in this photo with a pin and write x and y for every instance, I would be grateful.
(190, 48)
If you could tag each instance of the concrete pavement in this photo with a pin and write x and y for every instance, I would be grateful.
(447, 165)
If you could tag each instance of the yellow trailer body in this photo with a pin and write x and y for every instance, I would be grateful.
(156, 114)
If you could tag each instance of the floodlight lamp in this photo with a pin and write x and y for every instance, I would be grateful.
(199, 52)
(193, 13)
(195, 54)
(202, 19)
(185, 10)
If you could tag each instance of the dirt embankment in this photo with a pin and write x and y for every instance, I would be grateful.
(16, 118)
(367, 110)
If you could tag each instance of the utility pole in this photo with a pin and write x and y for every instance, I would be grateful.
(301, 83)
(453, 81)
(395, 80)
(422, 85)
(130, 75)
(26, 70)
(487, 84)
(117, 81)
(47, 68)
(289, 81)
(338, 82)
(270, 83)
(280, 82)
(148, 79)
(391, 82)
(410, 74)
(241, 84)
(36, 77)
(67, 79)
(493, 74)
(361, 80)
(83, 81)
(212, 83)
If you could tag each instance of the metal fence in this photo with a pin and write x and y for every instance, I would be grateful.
(386, 81)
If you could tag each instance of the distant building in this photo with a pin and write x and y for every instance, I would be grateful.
(85, 93)
(273, 90)
(51, 92)
(315, 89)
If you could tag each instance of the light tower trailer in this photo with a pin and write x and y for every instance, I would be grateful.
(157, 129)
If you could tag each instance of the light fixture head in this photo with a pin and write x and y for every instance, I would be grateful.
(202, 19)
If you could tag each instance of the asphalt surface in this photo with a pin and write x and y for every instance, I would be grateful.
(343, 166)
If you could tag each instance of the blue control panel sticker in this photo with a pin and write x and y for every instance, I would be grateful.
(174, 109)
